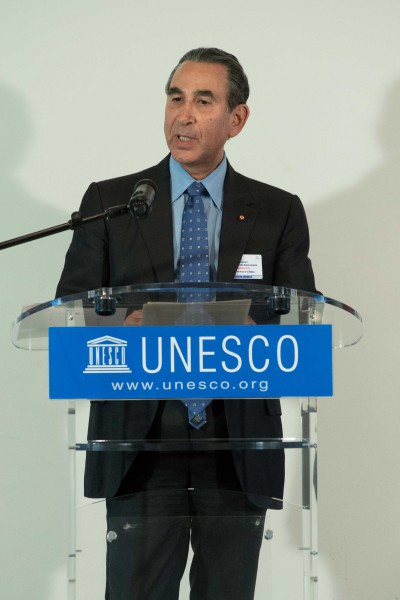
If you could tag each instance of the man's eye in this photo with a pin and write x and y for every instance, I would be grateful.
(203, 101)
(175, 98)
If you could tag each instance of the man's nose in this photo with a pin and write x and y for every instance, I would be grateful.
(186, 114)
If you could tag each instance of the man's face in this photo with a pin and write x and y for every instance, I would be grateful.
(197, 121)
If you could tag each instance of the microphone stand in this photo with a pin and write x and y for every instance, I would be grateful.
(76, 221)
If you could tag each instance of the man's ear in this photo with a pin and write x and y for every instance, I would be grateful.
(239, 115)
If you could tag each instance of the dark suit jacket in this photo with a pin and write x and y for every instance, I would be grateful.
(126, 251)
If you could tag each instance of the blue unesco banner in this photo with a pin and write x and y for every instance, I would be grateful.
(243, 361)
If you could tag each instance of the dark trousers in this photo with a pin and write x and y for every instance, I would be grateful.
(169, 500)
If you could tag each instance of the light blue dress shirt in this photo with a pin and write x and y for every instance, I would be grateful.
(214, 184)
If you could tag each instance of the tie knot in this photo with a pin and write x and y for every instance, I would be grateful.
(197, 189)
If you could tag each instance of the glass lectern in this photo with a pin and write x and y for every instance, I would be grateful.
(289, 551)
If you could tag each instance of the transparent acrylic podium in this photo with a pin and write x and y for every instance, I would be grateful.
(288, 564)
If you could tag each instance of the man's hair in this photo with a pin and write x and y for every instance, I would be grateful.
(238, 85)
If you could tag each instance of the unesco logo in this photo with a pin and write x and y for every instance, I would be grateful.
(107, 355)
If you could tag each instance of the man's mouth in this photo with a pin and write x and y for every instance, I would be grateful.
(183, 138)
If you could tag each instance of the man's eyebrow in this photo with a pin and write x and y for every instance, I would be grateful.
(174, 90)
(207, 93)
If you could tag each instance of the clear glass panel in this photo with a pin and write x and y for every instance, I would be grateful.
(289, 548)
(138, 527)
(110, 307)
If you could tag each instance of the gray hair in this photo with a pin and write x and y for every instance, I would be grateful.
(238, 85)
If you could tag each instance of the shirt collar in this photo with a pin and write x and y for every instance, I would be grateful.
(214, 182)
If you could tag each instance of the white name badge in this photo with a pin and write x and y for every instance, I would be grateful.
(250, 267)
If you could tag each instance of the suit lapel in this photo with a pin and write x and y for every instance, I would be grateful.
(156, 230)
(238, 217)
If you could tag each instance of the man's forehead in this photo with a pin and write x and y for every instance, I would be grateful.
(198, 77)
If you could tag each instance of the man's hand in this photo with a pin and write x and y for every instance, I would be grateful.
(249, 321)
(135, 318)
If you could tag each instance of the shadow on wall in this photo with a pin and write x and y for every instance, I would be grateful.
(356, 250)
(362, 221)
(21, 212)
(32, 430)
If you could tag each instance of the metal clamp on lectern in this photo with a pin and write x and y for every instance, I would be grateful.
(279, 304)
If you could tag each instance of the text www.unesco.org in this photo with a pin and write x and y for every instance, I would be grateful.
(193, 386)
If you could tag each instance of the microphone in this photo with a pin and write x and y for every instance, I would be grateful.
(142, 198)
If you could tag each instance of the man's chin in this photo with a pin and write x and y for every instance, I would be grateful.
(193, 163)
(183, 157)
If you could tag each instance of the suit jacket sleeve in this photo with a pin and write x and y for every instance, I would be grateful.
(292, 266)
(87, 262)
(124, 250)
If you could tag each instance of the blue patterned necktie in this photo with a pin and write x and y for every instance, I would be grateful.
(194, 254)
(194, 267)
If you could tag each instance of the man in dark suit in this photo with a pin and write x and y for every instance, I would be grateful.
(206, 106)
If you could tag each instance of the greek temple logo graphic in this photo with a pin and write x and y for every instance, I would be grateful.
(107, 355)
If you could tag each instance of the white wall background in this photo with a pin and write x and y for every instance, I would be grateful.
(81, 98)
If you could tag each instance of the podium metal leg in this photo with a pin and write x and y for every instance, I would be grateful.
(310, 499)
(72, 501)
